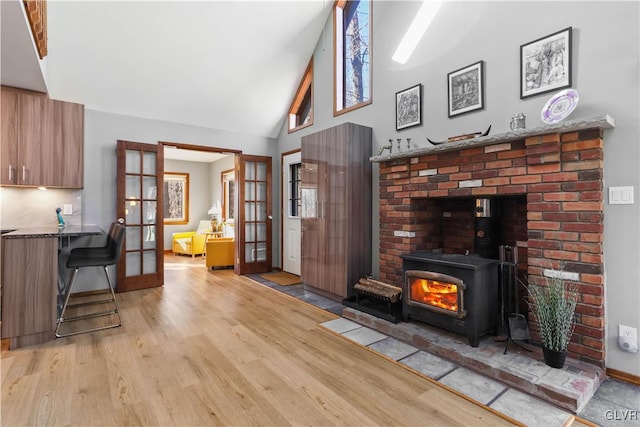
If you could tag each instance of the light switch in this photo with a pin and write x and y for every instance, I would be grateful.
(621, 195)
(67, 209)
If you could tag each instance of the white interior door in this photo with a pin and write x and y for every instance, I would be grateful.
(291, 243)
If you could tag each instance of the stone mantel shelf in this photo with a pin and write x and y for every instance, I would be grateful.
(601, 122)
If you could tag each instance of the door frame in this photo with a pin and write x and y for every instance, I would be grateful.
(283, 212)
(204, 148)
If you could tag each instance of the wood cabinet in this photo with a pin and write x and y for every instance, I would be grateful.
(9, 111)
(336, 209)
(42, 140)
(35, 141)
(29, 290)
(68, 144)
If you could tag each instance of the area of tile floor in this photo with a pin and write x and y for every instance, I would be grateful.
(570, 387)
(485, 390)
(614, 404)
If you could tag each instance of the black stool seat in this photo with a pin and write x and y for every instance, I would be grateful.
(103, 256)
(90, 257)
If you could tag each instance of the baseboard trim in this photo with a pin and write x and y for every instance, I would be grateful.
(624, 376)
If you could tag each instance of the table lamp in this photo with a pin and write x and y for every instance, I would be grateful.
(214, 212)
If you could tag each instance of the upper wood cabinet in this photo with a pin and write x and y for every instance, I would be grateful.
(35, 161)
(42, 140)
(9, 136)
(68, 143)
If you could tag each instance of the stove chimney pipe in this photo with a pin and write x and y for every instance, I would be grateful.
(487, 228)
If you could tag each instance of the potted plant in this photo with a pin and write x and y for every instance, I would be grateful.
(554, 305)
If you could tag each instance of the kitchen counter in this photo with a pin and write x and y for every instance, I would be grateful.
(33, 273)
(50, 231)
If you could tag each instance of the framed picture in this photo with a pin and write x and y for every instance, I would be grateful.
(176, 198)
(409, 107)
(466, 89)
(545, 64)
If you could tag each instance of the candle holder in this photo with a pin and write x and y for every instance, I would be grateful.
(399, 139)
(408, 143)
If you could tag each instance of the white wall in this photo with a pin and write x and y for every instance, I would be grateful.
(606, 61)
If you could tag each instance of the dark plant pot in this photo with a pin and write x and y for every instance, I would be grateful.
(554, 358)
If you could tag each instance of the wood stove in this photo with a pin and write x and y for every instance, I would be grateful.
(455, 292)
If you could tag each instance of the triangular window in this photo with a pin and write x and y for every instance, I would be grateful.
(301, 111)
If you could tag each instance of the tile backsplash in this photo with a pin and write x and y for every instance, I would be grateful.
(26, 207)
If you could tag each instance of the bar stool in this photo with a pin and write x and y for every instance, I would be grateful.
(103, 256)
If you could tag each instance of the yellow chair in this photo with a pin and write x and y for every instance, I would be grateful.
(220, 252)
(191, 242)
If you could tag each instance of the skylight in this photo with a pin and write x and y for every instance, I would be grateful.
(420, 23)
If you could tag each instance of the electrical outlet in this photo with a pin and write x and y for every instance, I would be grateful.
(627, 331)
(628, 338)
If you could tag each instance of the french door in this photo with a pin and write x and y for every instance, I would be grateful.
(254, 229)
(139, 208)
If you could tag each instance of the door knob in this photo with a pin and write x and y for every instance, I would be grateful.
(120, 220)
(269, 217)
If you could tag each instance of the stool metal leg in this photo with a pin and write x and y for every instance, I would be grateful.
(113, 295)
(66, 305)
(66, 302)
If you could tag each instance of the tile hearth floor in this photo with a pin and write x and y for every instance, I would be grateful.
(608, 407)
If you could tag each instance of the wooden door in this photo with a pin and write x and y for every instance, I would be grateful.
(36, 164)
(139, 202)
(9, 137)
(254, 228)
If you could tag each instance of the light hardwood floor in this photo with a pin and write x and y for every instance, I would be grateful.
(212, 348)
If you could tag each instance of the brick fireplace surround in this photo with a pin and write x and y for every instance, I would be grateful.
(553, 174)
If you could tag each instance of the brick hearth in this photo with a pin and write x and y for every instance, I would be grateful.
(552, 173)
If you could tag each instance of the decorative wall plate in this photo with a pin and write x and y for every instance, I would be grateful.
(559, 106)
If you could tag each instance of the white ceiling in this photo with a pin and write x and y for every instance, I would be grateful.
(228, 65)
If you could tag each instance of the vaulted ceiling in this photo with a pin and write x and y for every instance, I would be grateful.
(229, 65)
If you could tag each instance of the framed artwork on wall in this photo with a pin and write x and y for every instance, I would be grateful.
(466, 89)
(409, 107)
(545, 64)
(176, 198)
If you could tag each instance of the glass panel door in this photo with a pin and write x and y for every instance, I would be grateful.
(140, 168)
(255, 215)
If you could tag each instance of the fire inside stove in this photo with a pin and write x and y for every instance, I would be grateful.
(432, 292)
(436, 291)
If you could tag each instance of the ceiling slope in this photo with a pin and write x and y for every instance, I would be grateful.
(20, 65)
(228, 65)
